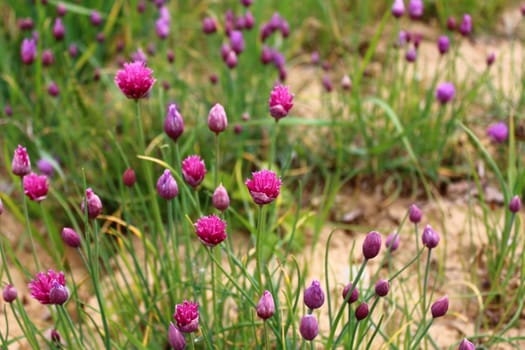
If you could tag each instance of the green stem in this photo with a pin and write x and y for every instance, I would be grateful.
(259, 247)
(63, 315)
(192, 341)
(273, 140)
(217, 161)
(216, 316)
(266, 338)
(421, 335)
(425, 282)
(28, 227)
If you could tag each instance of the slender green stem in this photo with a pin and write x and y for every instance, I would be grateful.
(266, 338)
(273, 141)
(421, 335)
(63, 315)
(217, 161)
(28, 227)
(425, 282)
(259, 247)
(192, 341)
(216, 316)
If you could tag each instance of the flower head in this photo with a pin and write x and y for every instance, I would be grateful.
(209, 25)
(35, 187)
(176, 338)
(220, 198)
(96, 18)
(498, 132)
(70, 237)
(465, 27)
(187, 316)
(58, 29)
(491, 58)
(193, 170)
(515, 204)
(398, 8)
(135, 80)
(49, 288)
(217, 119)
(21, 164)
(53, 89)
(211, 230)
(371, 245)
(415, 9)
(414, 214)
(382, 288)
(94, 204)
(264, 186)
(237, 41)
(314, 295)
(430, 237)
(466, 345)
(309, 327)
(445, 92)
(392, 242)
(28, 51)
(281, 101)
(45, 167)
(439, 307)
(266, 306)
(355, 293)
(9, 293)
(129, 178)
(411, 55)
(361, 311)
(443, 44)
(167, 186)
(173, 123)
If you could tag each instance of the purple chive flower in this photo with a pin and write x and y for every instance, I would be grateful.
(49, 288)
(217, 119)
(237, 41)
(355, 293)
(231, 59)
(173, 123)
(491, 58)
(314, 295)
(95, 18)
(265, 32)
(48, 58)
(498, 132)
(515, 204)
(53, 89)
(58, 29)
(35, 187)
(327, 83)
(451, 23)
(25, 24)
(249, 20)
(167, 186)
(170, 55)
(361, 312)
(187, 316)
(70, 237)
(266, 55)
(443, 44)
(28, 51)
(278, 59)
(246, 3)
(8, 110)
(135, 80)
(398, 8)
(465, 27)
(315, 57)
(392, 242)
(403, 38)
(382, 288)
(45, 167)
(193, 170)
(372, 245)
(21, 164)
(214, 79)
(73, 50)
(415, 9)
(439, 307)
(239, 23)
(411, 55)
(100, 37)
(430, 237)
(281, 102)
(209, 25)
(129, 178)
(9, 293)
(346, 83)
(94, 204)
(445, 92)
(309, 327)
(55, 337)
(162, 27)
(266, 306)
(220, 198)
(414, 214)
(141, 6)
(211, 230)
(466, 345)
(176, 338)
(264, 186)
(140, 56)
(284, 27)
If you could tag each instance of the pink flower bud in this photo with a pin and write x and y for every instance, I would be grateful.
(515, 204)
(371, 245)
(264, 187)
(309, 327)
(193, 170)
(430, 237)
(167, 186)
(382, 288)
(21, 164)
(466, 345)
(361, 312)
(9, 293)
(355, 293)
(129, 178)
(173, 123)
(70, 237)
(281, 102)
(176, 338)
(220, 199)
(439, 307)
(414, 214)
(187, 316)
(217, 119)
(266, 306)
(392, 242)
(314, 295)
(35, 187)
(211, 230)
(94, 204)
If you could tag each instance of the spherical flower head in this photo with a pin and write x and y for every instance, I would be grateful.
(193, 170)
(309, 328)
(176, 338)
(281, 101)
(314, 295)
(443, 44)
(21, 164)
(246, 3)
(96, 18)
(209, 25)
(217, 119)
(167, 186)
(382, 288)
(55, 337)
(231, 59)
(392, 242)
(237, 41)
(70, 237)
(94, 204)
(173, 123)
(58, 29)
(515, 204)
(266, 306)
(162, 27)
(465, 27)
(411, 55)
(35, 186)
(414, 214)
(398, 8)
(249, 20)
(9, 293)
(73, 50)
(220, 198)
(211, 230)
(371, 245)
(491, 58)
(466, 345)
(61, 10)
(327, 83)
(129, 178)
(25, 23)
(28, 51)
(53, 89)
(430, 237)
(45, 167)
(264, 186)
(187, 316)
(8, 110)
(439, 307)
(49, 288)
(361, 312)
(415, 9)
(445, 92)
(48, 58)
(498, 132)
(346, 83)
(355, 293)
(135, 80)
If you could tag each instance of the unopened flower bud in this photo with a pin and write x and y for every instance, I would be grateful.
(466, 345)
(58, 294)
(309, 327)
(217, 120)
(70, 237)
(515, 204)
(430, 237)
(392, 242)
(355, 293)
(371, 245)
(220, 199)
(382, 288)
(414, 214)
(314, 295)
(361, 312)
(129, 178)
(9, 293)
(439, 307)
(266, 306)
(176, 338)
